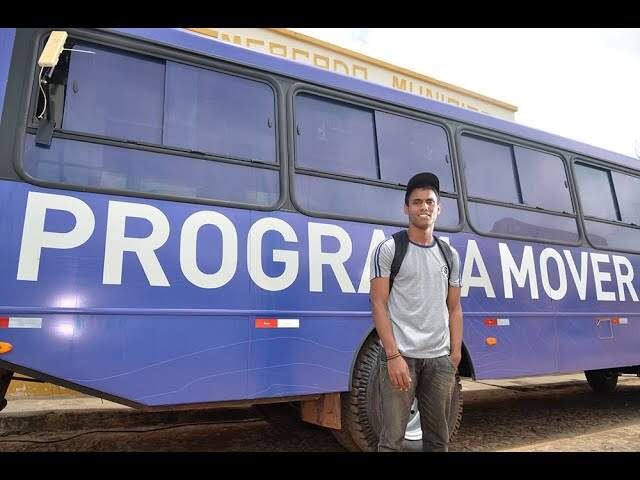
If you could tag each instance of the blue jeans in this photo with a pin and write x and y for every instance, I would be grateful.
(432, 382)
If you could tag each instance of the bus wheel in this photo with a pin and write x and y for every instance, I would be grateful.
(361, 406)
(602, 381)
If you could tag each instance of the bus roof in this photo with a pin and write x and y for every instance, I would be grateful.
(198, 43)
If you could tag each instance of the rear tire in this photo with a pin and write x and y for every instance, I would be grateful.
(361, 405)
(602, 381)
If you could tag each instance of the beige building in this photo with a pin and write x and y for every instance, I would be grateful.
(305, 49)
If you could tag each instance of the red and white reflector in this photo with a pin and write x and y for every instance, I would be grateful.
(20, 322)
(492, 322)
(277, 323)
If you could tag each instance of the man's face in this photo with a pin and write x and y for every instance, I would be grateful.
(423, 208)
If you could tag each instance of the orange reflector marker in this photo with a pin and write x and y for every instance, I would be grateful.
(491, 341)
(266, 323)
(490, 321)
(615, 321)
(5, 347)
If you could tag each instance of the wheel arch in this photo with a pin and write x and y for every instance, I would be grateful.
(465, 368)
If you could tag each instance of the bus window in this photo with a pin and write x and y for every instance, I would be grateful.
(543, 180)
(350, 199)
(335, 137)
(596, 196)
(498, 220)
(407, 146)
(489, 160)
(519, 178)
(613, 236)
(138, 114)
(612, 200)
(628, 194)
(115, 94)
(118, 168)
(213, 112)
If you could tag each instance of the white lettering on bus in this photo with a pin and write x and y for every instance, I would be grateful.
(580, 279)
(288, 257)
(472, 257)
(599, 277)
(116, 243)
(561, 291)
(376, 238)
(35, 238)
(318, 258)
(624, 279)
(509, 268)
(189, 248)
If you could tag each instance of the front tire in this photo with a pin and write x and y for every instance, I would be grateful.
(361, 406)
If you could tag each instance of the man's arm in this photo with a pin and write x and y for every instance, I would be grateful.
(455, 324)
(398, 369)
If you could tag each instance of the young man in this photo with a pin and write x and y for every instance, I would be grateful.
(419, 324)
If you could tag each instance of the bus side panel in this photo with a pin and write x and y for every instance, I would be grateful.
(311, 351)
(315, 357)
(7, 36)
(523, 346)
(165, 344)
(327, 295)
(174, 342)
(153, 360)
(598, 341)
(534, 333)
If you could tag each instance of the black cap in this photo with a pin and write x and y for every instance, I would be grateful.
(422, 180)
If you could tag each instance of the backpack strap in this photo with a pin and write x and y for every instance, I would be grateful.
(401, 240)
(446, 252)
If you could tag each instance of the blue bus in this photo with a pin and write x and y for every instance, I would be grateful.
(189, 223)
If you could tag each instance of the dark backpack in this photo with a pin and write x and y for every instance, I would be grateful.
(401, 240)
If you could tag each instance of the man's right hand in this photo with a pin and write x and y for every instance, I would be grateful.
(399, 373)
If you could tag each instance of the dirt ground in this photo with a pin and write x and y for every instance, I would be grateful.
(556, 414)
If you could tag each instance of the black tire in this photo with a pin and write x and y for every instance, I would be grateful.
(360, 406)
(602, 381)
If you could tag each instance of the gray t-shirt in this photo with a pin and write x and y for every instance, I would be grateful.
(418, 300)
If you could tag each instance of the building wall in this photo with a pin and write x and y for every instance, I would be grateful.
(305, 49)
(20, 389)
